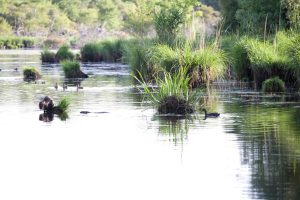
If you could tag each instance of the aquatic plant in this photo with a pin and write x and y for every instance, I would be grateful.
(274, 84)
(72, 69)
(172, 94)
(136, 54)
(64, 53)
(64, 104)
(31, 74)
(48, 56)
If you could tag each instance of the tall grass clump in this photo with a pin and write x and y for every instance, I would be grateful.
(136, 54)
(72, 69)
(63, 105)
(48, 56)
(172, 94)
(274, 84)
(64, 53)
(91, 52)
(258, 60)
(31, 74)
(107, 51)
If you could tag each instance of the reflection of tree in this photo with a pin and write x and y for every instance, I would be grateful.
(270, 144)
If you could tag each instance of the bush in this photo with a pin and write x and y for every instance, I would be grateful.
(273, 85)
(107, 51)
(72, 69)
(48, 56)
(172, 94)
(31, 74)
(64, 53)
(91, 52)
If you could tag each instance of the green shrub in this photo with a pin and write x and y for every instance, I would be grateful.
(273, 85)
(72, 69)
(64, 53)
(48, 56)
(91, 52)
(31, 74)
(172, 94)
(108, 51)
(64, 105)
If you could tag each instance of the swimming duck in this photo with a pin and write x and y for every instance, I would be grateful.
(16, 69)
(65, 86)
(210, 115)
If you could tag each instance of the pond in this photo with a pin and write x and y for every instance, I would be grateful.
(252, 151)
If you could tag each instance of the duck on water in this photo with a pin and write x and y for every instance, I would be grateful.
(210, 115)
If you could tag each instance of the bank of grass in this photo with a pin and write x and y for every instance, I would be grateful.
(14, 42)
(104, 51)
(204, 65)
(31, 74)
(172, 94)
(72, 69)
(257, 60)
(48, 56)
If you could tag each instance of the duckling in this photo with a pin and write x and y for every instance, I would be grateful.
(0, 70)
(16, 69)
(56, 86)
(65, 86)
(210, 115)
(43, 82)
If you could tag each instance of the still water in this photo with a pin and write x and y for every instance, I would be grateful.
(251, 152)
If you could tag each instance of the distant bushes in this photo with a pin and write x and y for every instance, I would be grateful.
(48, 56)
(16, 42)
(107, 51)
(63, 53)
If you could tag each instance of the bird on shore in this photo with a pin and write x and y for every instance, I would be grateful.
(210, 115)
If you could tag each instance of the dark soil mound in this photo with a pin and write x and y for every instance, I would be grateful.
(173, 105)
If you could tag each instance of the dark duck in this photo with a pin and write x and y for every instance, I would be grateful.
(210, 115)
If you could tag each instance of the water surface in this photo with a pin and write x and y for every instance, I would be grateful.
(251, 152)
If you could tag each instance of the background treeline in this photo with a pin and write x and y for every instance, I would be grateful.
(256, 16)
(40, 18)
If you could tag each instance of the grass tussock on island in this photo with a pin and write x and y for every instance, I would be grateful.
(31, 74)
(272, 85)
(63, 53)
(172, 94)
(72, 69)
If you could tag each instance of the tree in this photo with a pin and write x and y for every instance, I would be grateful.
(228, 10)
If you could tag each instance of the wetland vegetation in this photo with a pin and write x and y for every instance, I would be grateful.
(176, 53)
